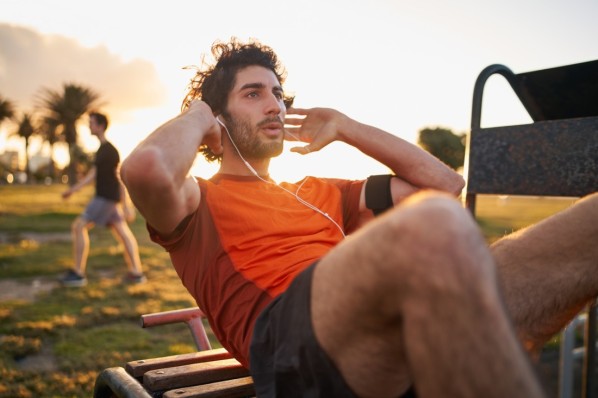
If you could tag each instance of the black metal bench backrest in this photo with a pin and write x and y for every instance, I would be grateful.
(556, 155)
(552, 158)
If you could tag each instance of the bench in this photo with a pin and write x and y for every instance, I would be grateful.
(555, 155)
(208, 373)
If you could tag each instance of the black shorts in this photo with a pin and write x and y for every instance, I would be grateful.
(285, 358)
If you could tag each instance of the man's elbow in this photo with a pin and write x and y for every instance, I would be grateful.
(139, 169)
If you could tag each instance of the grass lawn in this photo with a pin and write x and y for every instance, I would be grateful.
(500, 215)
(56, 344)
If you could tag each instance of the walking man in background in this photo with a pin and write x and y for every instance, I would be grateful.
(109, 207)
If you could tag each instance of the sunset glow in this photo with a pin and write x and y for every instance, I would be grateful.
(398, 65)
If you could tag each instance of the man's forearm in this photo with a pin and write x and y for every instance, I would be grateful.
(407, 161)
(87, 179)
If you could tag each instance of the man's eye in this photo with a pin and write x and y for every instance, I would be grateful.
(252, 94)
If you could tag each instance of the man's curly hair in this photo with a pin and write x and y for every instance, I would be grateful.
(213, 82)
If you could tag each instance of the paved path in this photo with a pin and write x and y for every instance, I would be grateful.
(26, 288)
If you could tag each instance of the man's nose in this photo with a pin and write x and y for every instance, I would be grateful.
(274, 106)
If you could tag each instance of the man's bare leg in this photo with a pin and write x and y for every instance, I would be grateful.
(413, 299)
(125, 236)
(80, 235)
(548, 272)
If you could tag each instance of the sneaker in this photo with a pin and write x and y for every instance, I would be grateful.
(134, 279)
(73, 279)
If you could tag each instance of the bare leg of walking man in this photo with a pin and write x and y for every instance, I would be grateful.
(123, 234)
(80, 236)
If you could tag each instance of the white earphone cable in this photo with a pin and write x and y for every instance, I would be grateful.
(295, 195)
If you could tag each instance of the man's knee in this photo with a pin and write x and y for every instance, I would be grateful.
(436, 224)
(433, 210)
(442, 248)
(590, 201)
(79, 224)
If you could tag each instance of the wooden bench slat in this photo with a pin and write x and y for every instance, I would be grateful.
(140, 367)
(194, 374)
(236, 388)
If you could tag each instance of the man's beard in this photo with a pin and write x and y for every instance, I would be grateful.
(247, 138)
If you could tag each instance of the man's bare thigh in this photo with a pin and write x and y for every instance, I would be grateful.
(356, 328)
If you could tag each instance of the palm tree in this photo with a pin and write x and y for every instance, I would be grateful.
(49, 129)
(25, 130)
(6, 112)
(7, 109)
(67, 107)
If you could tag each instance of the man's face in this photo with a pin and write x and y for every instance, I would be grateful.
(255, 113)
(94, 127)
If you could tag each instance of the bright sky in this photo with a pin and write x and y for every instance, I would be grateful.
(399, 65)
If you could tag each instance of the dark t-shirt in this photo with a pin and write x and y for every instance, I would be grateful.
(106, 162)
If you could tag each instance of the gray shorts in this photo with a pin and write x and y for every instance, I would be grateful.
(103, 212)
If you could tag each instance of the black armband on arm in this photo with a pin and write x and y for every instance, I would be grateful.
(378, 197)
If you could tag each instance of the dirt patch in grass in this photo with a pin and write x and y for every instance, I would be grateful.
(44, 361)
(26, 289)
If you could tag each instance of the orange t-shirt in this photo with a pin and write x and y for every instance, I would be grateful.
(248, 240)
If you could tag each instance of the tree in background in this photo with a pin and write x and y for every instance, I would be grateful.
(26, 128)
(67, 107)
(444, 144)
(7, 109)
(49, 130)
(84, 160)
